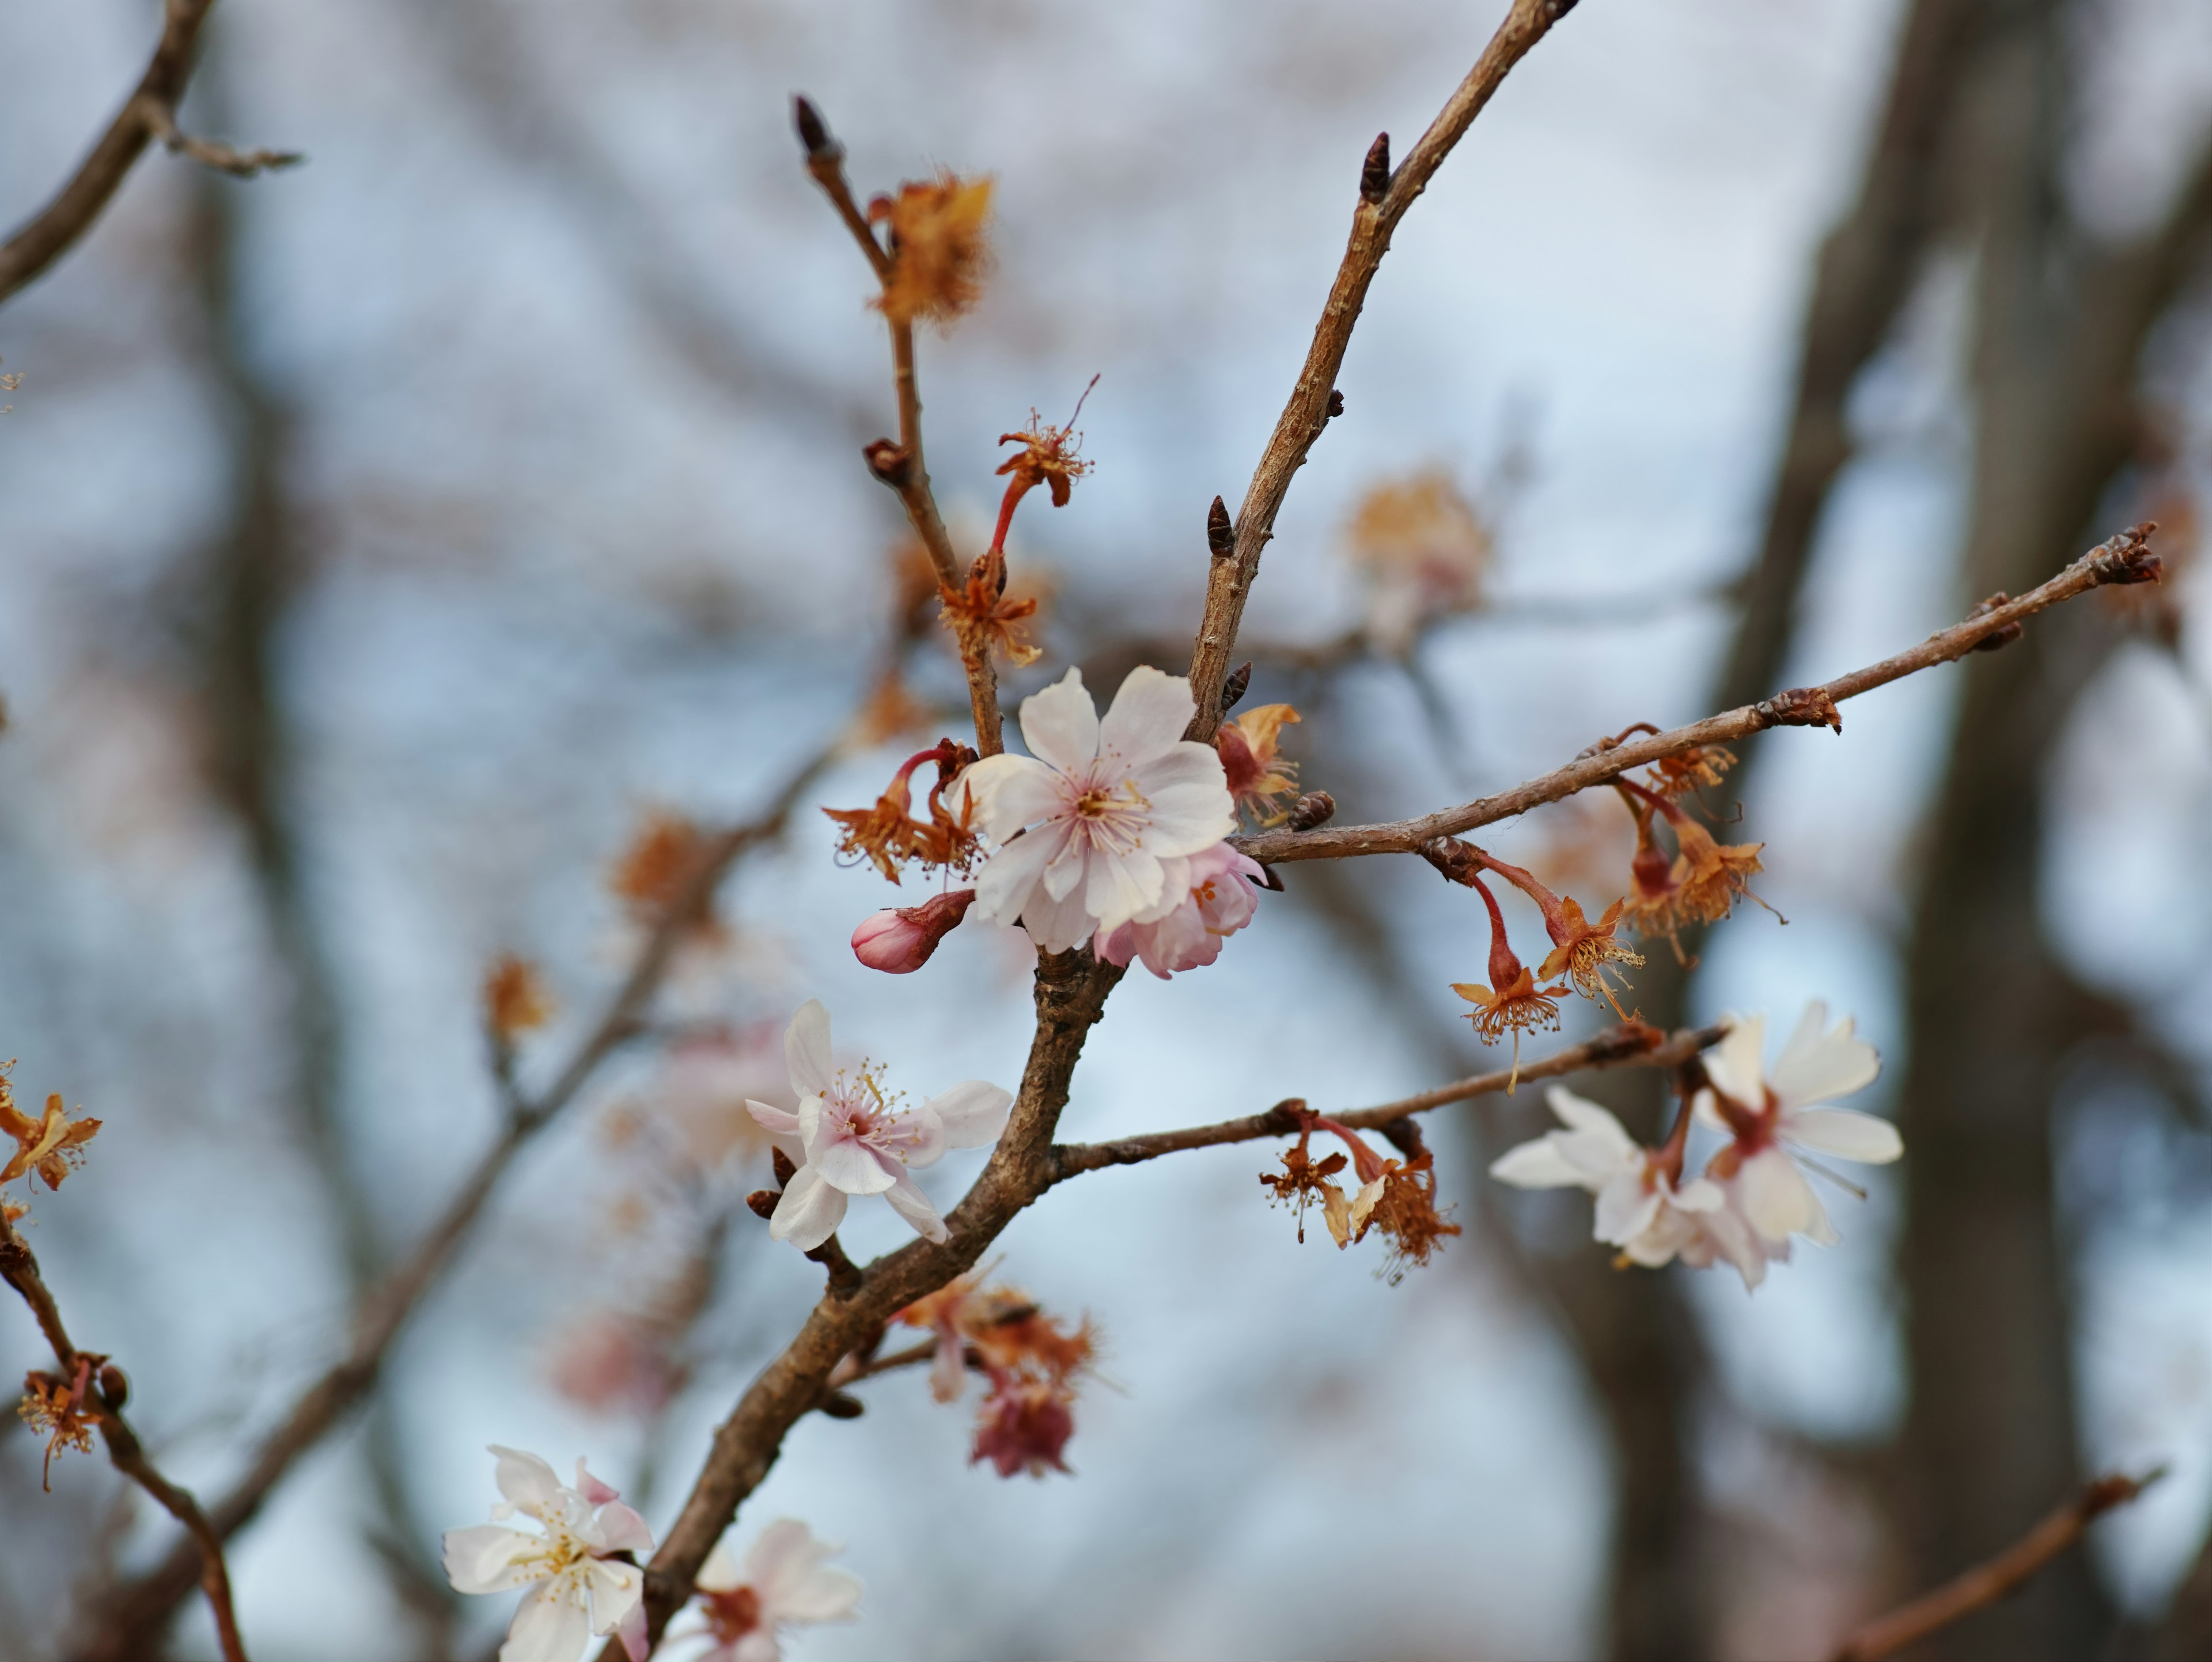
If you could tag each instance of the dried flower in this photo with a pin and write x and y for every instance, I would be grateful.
(1025, 1426)
(984, 617)
(902, 941)
(1698, 767)
(781, 1583)
(887, 834)
(1425, 550)
(577, 1563)
(1089, 822)
(939, 255)
(667, 853)
(1513, 1002)
(63, 1408)
(1220, 900)
(858, 1141)
(1258, 779)
(1047, 458)
(1581, 950)
(1709, 874)
(1305, 1179)
(515, 999)
(1033, 1364)
(52, 1145)
(1397, 1198)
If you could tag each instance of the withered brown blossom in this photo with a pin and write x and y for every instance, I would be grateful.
(1047, 457)
(1582, 951)
(1698, 886)
(1305, 1179)
(52, 1145)
(1426, 550)
(1259, 780)
(890, 836)
(62, 1408)
(515, 998)
(985, 619)
(1513, 1002)
(1397, 1198)
(939, 254)
(664, 856)
(1032, 1363)
(1701, 767)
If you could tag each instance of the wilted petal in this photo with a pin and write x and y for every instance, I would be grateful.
(809, 1211)
(807, 1048)
(1060, 724)
(1820, 1066)
(909, 1203)
(1845, 1132)
(1148, 715)
(973, 1113)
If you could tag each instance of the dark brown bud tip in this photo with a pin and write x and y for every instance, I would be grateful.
(785, 1170)
(2125, 558)
(1272, 880)
(763, 1202)
(890, 463)
(813, 132)
(1454, 858)
(1633, 1037)
(114, 1385)
(1374, 171)
(1234, 689)
(1220, 535)
(1316, 807)
(1335, 405)
(839, 1406)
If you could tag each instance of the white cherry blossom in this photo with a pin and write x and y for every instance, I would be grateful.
(1640, 1208)
(781, 1583)
(577, 1588)
(857, 1141)
(1086, 820)
(1775, 1121)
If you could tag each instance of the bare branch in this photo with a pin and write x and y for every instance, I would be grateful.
(19, 1266)
(149, 113)
(1313, 399)
(2122, 560)
(1632, 1044)
(1983, 1584)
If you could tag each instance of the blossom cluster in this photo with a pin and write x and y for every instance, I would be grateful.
(1033, 1366)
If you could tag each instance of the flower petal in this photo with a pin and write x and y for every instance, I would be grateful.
(909, 1203)
(973, 1113)
(807, 1048)
(1624, 1209)
(1845, 1132)
(847, 1163)
(1582, 1115)
(1699, 1195)
(720, 1572)
(1060, 724)
(1538, 1165)
(1056, 925)
(1190, 808)
(525, 1480)
(1009, 792)
(1818, 1066)
(1733, 1065)
(616, 1590)
(619, 1528)
(1120, 885)
(809, 1211)
(822, 1595)
(917, 1141)
(481, 1558)
(636, 1636)
(1148, 715)
(785, 1551)
(1012, 877)
(551, 1626)
(778, 1122)
(1776, 1199)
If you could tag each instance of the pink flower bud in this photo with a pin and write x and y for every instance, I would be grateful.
(900, 941)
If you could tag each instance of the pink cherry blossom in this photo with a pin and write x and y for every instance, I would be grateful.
(1087, 820)
(857, 1141)
(781, 1583)
(900, 941)
(1204, 899)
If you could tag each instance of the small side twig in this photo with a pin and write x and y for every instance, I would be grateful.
(19, 1266)
(1986, 1583)
(160, 121)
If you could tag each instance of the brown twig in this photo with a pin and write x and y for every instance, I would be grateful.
(901, 466)
(2123, 559)
(1632, 1044)
(1983, 1584)
(19, 1266)
(1313, 400)
(135, 1614)
(148, 113)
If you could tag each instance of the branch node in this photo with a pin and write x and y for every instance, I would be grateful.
(1997, 637)
(1802, 706)
(890, 462)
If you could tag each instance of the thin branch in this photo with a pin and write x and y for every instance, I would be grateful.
(1632, 1044)
(19, 1266)
(1384, 200)
(901, 466)
(148, 113)
(137, 1612)
(2121, 560)
(1983, 1584)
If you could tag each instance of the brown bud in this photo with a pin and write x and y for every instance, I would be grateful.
(114, 1385)
(1220, 535)
(1316, 807)
(839, 1406)
(813, 132)
(1374, 171)
(1996, 638)
(785, 1170)
(763, 1202)
(1454, 858)
(1335, 406)
(1802, 706)
(1405, 1136)
(1234, 689)
(892, 464)
(2124, 559)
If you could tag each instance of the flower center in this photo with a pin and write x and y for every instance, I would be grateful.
(870, 1115)
(732, 1614)
(1115, 817)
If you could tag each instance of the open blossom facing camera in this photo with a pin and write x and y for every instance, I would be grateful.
(859, 1142)
(577, 1586)
(1088, 821)
(782, 1582)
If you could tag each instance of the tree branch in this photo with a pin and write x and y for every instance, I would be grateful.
(1631, 1044)
(149, 113)
(1384, 200)
(134, 1616)
(20, 1268)
(1983, 1584)
(2123, 559)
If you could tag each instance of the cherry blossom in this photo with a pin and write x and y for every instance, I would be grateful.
(1218, 899)
(579, 1585)
(1775, 1122)
(781, 1583)
(858, 1141)
(900, 940)
(1640, 1208)
(1089, 820)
